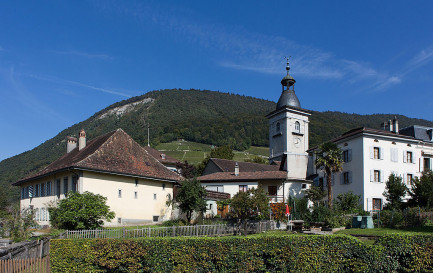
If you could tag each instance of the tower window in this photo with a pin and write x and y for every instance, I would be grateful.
(297, 127)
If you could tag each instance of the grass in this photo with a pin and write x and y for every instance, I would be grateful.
(195, 152)
(384, 231)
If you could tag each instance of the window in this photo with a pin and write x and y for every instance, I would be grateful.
(135, 195)
(243, 188)
(347, 155)
(136, 182)
(297, 127)
(346, 178)
(58, 188)
(409, 157)
(155, 218)
(154, 196)
(119, 193)
(376, 176)
(376, 153)
(37, 190)
(427, 164)
(272, 190)
(218, 188)
(409, 178)
(65, 186)
(377, 204)
(74, 183)
(163, 187)
(42, 189)
(210, 206)
(23, 193)
(49, 190)
(304, 186)
(278, 127)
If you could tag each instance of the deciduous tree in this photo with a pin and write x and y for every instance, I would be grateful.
(190, 198)
(80, 211)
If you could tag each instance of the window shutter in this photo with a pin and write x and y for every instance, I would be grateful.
(413, 158)
(371, 175)
(381, 153)
(405, 178)
(349, 153)
(350, 177)
(421, 167)
(382, 176)
(371, 152)
(404, 156)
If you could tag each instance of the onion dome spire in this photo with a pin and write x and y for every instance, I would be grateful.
(288, 96)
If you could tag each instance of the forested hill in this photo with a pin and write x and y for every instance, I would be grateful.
(201, 116)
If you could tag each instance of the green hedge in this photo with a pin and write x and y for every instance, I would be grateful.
(283, 253)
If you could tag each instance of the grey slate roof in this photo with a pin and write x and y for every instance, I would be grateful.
(288, 98)
(418, 132)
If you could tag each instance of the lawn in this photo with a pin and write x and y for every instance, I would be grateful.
(384, 231)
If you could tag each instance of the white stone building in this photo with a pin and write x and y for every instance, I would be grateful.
(113, 165)
(371, 155)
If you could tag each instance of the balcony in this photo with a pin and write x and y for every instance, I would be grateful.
(276, 198)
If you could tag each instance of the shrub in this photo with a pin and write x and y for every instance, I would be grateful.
(391, 218)
(275, 253)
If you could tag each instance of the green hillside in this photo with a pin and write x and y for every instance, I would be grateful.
(194, 152)
(206, 117)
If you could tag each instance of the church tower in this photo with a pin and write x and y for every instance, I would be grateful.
(288, 131)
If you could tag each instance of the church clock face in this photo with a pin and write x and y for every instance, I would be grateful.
(297, 141)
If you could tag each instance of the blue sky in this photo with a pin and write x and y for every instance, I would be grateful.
(62, 61)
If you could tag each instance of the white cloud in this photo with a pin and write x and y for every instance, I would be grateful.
(88, 86)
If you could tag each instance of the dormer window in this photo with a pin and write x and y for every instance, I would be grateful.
(297, 127)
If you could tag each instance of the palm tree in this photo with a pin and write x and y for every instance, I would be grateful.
(328, 158)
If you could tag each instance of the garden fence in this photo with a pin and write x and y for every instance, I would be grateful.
(34, 265)
(174, 231)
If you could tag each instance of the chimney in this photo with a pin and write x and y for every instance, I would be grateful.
(236, 169)
(82, 140)
(71, 143)
(390, 125)
(395, 125)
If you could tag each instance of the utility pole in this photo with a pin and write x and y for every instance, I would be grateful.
(148, 136)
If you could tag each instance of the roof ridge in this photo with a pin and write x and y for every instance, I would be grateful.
(96, 138)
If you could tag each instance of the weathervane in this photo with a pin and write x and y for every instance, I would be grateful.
(287, 66)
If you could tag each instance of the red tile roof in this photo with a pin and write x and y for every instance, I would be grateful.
(160, 156)
(243, 176)
(115, 152)
(215, 195)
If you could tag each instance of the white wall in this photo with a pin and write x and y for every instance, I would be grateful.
(132, 210)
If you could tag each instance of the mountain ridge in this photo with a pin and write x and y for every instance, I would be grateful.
(203, 116)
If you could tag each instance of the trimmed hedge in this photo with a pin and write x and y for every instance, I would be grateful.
(282, 253)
